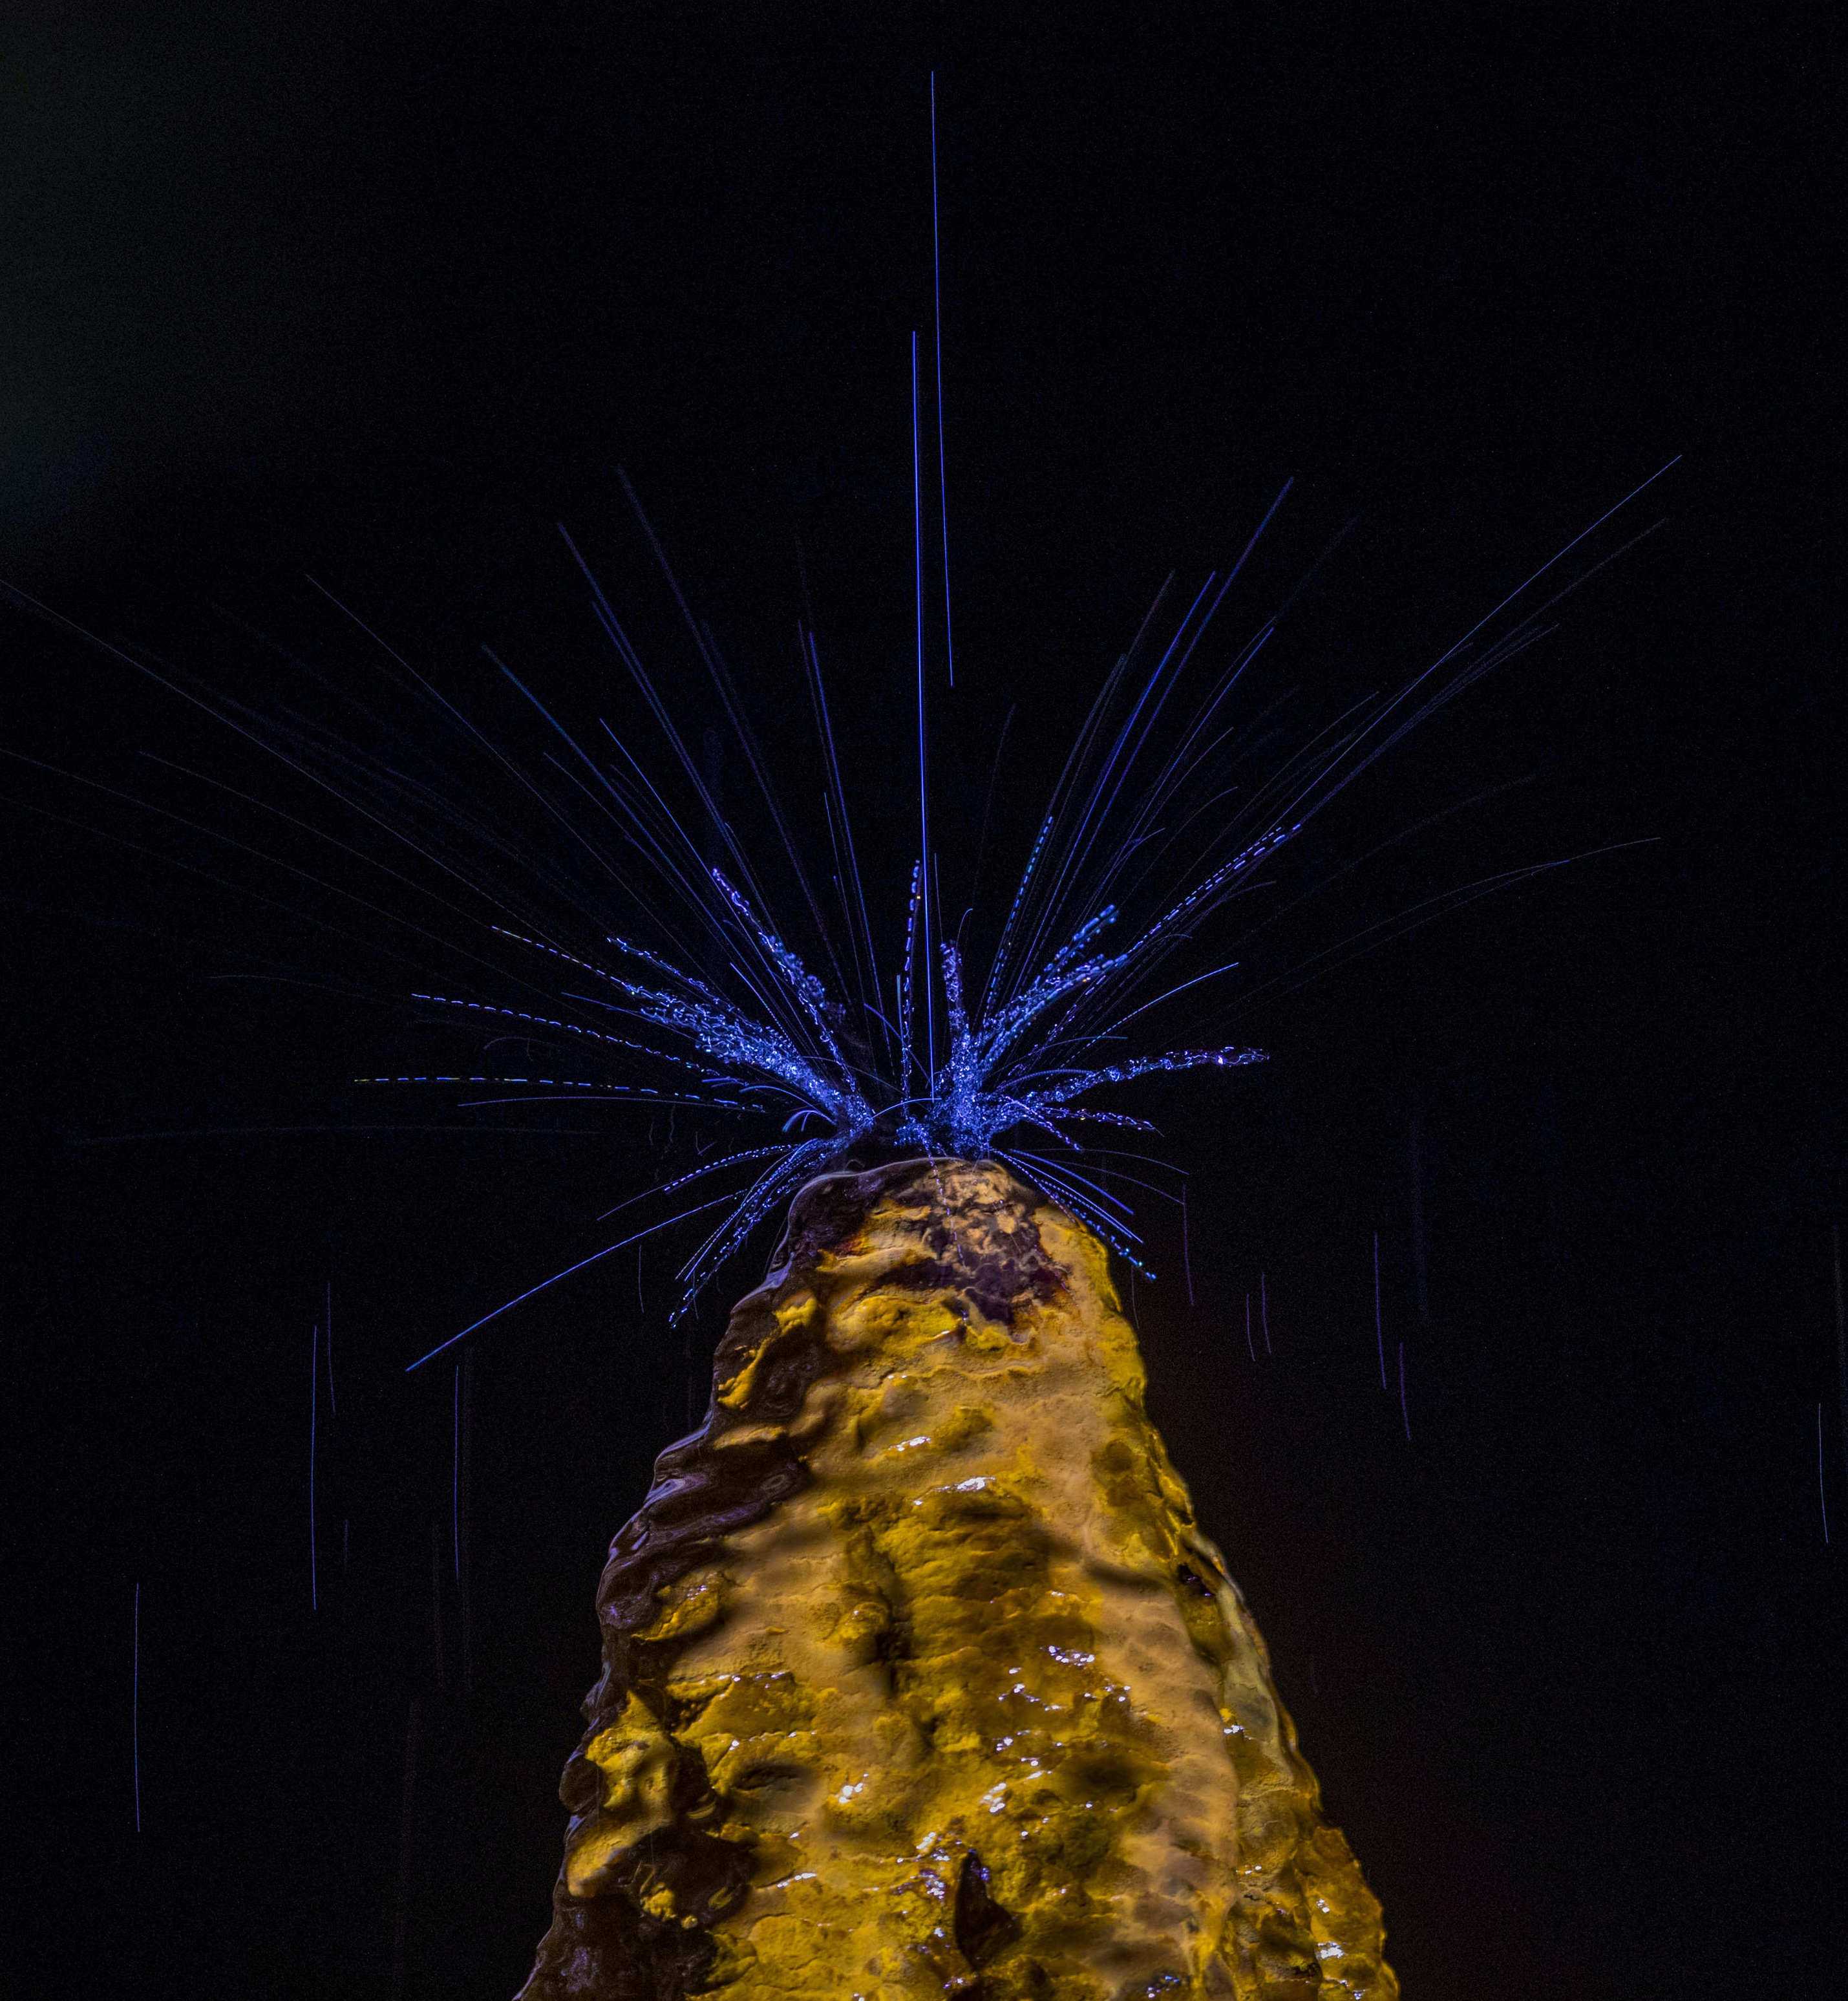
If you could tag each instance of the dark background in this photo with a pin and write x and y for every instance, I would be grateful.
(381, 294)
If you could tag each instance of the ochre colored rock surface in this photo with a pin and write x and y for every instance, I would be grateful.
(920, 1678)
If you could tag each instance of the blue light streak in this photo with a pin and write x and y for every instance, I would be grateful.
(703, 1000)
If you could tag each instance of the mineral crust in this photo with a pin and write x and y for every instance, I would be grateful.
(920, 1678)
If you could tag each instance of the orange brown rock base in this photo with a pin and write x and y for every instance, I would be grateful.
(920, 1678)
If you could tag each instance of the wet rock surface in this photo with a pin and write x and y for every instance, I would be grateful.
(918, 1677)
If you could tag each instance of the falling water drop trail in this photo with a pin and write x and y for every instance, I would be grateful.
(937, 308)
(1841, 1340)
(1821, 1490)
(1379, 1326)
(464, 1604)
(455, 1476)
(1419, 1248)
(406, 1853)
(917, 513)
(438, 1649)
(314, 1415)
(134, 1709)
(1186, 1261)
(1249, 1349)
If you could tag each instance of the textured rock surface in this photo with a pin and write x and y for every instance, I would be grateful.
(920, 1678)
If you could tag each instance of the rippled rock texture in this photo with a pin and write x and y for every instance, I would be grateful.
(919, 1678)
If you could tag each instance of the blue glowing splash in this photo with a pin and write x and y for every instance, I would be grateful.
(1164, 813)
(851, 1064)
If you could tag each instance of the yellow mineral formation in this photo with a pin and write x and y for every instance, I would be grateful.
(920, 1678)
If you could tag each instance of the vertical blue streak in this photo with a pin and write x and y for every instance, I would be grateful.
(1187, 1259)
(1821, 1491)
(135, 1711)
(314, 1416)
(1379, 1326)
(936, 307)
(917, 518)
(455, 1476)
